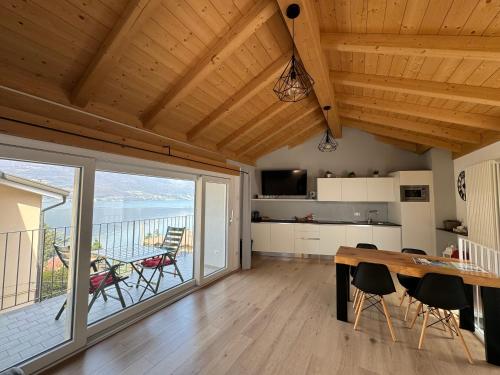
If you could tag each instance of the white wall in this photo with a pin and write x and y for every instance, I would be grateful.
(357, 151)
(491, 152)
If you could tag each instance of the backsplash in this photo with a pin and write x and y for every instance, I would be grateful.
(322, 210)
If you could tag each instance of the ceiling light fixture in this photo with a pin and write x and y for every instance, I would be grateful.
(328, 142)
(295, 83)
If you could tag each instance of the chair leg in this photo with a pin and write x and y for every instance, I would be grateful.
(104, 296)
(360, 309)
(179, 272)
(388, 318)
(408, 308)
(445, 326)
(424, 326)
(355, 299)
(61, 310)
(403, 298)
(467, 352)
(120, 295)
(419, 308)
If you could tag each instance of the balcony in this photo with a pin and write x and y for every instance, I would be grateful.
(34, 280)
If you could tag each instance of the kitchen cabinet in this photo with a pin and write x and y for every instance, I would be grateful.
(261, 236)
(331, 238)
(329, 189)
(387, 238)
(354, 190)
(358, 234)
(282, 238)
(307, 237)
(380, 189)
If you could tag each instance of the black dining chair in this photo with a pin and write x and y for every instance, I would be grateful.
(374, 281)
(409, 283)
(352, 270)
(446, 292)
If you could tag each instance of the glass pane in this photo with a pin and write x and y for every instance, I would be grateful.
(142, 239)
(215, 227)
(37, 244)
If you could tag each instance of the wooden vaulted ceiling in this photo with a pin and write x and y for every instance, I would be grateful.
(197, 75)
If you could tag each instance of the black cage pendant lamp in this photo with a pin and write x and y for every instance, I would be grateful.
(328, 142)
(294, 83)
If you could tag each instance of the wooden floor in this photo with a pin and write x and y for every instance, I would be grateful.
(278, 318)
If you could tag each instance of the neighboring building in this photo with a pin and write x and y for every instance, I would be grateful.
(21, 214)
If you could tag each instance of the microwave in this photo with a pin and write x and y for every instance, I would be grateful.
(414, 193)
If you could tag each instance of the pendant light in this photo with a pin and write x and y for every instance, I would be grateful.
(295, 83)
(328, 142)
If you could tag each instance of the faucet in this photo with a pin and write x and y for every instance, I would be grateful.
(369, 217)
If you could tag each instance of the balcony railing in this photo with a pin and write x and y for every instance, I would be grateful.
(31, 271)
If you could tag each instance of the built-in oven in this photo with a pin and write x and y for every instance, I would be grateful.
(414, 193)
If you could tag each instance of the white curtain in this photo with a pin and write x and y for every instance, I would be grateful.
(483, 203)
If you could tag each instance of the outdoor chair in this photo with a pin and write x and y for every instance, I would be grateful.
(99, 280)
(171, 243)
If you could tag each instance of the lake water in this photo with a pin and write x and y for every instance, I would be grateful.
(117, 211)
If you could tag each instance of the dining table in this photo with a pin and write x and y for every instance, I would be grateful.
(405, 264)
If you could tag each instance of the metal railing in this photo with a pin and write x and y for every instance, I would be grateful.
(489, 260)
(31, 271)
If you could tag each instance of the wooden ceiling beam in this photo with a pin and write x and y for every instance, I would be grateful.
(254, 123)
(308, 45)
(414, 126)
(247, 92)
(404, 135)
(443, 46)
(439, 114)
(408, 146)
(297, 117)
(136, 13)
(221, 50)
(442, 90)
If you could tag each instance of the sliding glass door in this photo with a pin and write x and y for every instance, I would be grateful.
(215, 225)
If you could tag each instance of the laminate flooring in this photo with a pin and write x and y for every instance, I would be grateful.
(278, 318)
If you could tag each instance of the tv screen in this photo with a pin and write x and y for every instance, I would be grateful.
(284, 182)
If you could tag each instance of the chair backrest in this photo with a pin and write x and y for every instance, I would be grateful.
(173, 238)
(63, 252)
(366, 246)
(408, 250)
(442, 291)
(373, 278)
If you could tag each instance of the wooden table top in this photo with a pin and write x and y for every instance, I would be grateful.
(403, 263)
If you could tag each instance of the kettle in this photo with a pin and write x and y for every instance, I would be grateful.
(256, 216)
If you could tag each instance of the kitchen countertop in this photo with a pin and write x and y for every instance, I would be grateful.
(338, 222)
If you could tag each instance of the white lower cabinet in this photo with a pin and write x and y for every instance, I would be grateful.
(261, 236)
(282, 238)
(331, 238)
(307, 238)
(387, 238)
(358, 234)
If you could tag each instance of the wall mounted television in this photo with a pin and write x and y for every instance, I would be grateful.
(290, 182)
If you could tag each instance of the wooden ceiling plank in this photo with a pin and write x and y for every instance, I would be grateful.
(254, 123)
(221, 50)
(450, 91)
(408, 146)
(376, 129)
(130, 22)
(414, 126)
(268, 134)
(461, 47)
(308, 44)
(248, 91)
(440, 114)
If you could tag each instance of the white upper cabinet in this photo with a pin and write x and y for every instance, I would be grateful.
(354, 190)
(361, 189)
(380, 189)
(261, 236)
(329, 189)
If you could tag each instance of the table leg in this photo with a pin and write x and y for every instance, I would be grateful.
(491, 322)
(342, 291)
(467, 315)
